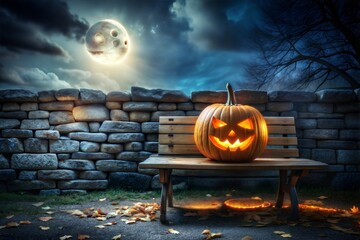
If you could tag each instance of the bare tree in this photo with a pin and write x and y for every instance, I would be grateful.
(309, 42)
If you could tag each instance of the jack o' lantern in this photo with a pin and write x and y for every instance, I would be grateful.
(230, 132)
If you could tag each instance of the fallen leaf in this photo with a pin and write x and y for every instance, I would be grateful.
(279, 232)
(45, 219)
(3, 226)
(38, 204)
(49, 212)
(354, 209)
(247, 237)
(208, 195)
(83, 237)
(345, 230)
(190, 214)
(173, 231)
(100, 226)
(12, 224)
(228, 195)
(333, 220)
(115, 203)
(323, 197)
(102, 199)
(44, 228)
(128, 221)
(9, 217)
(313, 202)
(210, 235)
(46, 208)
(101, 218)
(110, 223)
(286, 235)
(65, 237)
(24, 222)
(257, 198)
(117, 237)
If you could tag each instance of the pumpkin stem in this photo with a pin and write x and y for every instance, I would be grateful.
(231, 100)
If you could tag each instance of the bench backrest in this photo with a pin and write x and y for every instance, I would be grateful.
(176, 136)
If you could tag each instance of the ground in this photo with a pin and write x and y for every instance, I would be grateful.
(103, 215)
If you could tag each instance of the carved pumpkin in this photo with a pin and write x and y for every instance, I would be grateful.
(230, 132)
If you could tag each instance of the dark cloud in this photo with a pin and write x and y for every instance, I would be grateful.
(25, 25)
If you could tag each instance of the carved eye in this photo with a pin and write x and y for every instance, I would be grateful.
(218, 123)
(247, 124)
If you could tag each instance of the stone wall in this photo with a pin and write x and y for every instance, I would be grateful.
(74, 140)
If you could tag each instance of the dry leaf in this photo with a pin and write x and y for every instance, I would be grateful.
(24, 222)
(49, 212)
(173, 231)
(345, 230)
(45, 219)
(101, 218)
(257, 198)
(110, 223)
(279, 232)
(313, 202)
(12, 224)
(100, 226)
(210, 235)
(83, 237)
(115, 203)
(333, 220)
(44, 228)
(102, 199)
(10, 216)
(117, 237)
(38, 204)
(286, 235)
(65, 237)
(228, 195)
(354, 209)
(247, 237)
(208, 195)
(46, 208)
(128, 221)
(3, 226)
(323, 197)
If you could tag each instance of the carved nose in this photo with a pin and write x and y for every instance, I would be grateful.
(232, 133)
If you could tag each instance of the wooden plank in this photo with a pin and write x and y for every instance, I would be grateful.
(173, 162)
(192, 119)
(176, 129)
(272, 129)
(188, 139)
(280, 152)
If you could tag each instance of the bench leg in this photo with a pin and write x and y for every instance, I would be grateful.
(170, 193)
(294, 177)
(281, 188)
(164, 180)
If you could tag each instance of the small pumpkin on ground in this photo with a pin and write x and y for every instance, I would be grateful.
(231, 132)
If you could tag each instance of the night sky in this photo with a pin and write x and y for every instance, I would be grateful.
(182, 44)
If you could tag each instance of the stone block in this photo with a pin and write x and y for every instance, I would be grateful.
(125, 137)
(93, 175)
(139, 94)
(201, 106)
(29, 107)
(67, 94)
(90, 96)
(139, 106)
(84, 136)
(350, 168)
(16, 133)
(4, 163)
(7, 174)
(352, 120)
(39, 114)
(336, 95)
(209, 96)
(73, 192)
(320, 115)
(321, 133)
(113, 105)
(150, 171)
(306, 143)
(20, 185)
(58, 174)
(64, 146)
(73, 127)
(167, 106)
(139, 116)
(260, 107)
(119, 127)
(187, 106)
(151, 146)
(118, 96)
(348, 156)
(49, 192)
(83, 184)
(133, 181)
(8, 107)
(347, 107)
(27, 175)
(77, 164)
(193, 113)
(94, 126)
(9, 123)
(56, 106)
(111, 148)
(133, 146)
(35, 124)
(91, 156)
(152, 137)
(13, 115)
(331, 123)
(150, 127)
(346, 181)
(89, 146)
(119, 115)
(29, 161)
(305, 153)
(306, 123)
(324, 155)
(337, 144)
(61, 117)
(35, 145)
(291, 96)
(91, 113)
(63, 156)
(47, 96)
(47, 134)
(279, 106)
(155, 115)
(350, 134)
(116, 166)
(289, 114)
(320, 107)
(11, 145)
(133, 156)
(357, 92)
(251, 97)
(18, 95)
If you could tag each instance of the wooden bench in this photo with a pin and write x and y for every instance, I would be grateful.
(177, 150)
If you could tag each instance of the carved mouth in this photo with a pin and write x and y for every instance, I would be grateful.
(224, 145)
(96, 52)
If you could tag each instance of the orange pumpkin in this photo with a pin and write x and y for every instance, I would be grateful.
(231, 132)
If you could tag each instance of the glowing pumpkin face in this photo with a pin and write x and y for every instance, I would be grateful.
(230, 132)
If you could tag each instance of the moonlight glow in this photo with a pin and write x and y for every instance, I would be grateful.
(107, 42)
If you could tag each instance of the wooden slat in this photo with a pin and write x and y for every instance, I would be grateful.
(192, 120)
(280, 152)
(281, 129)
(188, 139)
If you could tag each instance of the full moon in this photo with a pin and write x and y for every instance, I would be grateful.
(107, 42)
